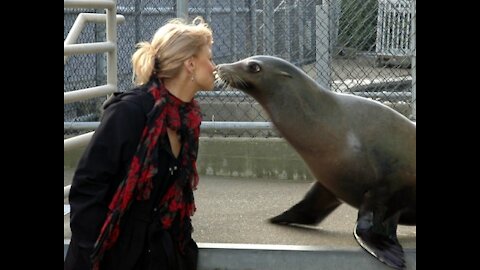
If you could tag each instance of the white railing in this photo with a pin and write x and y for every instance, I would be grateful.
(109, 46)
(394, 27)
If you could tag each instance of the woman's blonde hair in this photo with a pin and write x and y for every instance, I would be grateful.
(171, 45)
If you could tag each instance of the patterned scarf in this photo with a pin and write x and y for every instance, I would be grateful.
(185, 118)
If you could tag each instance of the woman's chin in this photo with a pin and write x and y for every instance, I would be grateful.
(209, 88)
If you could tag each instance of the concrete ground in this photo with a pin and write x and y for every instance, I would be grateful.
(235, 210)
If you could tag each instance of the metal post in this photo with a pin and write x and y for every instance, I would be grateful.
(334, 22)
(101, 64)
(233, 41)
(268, 22)
(112, 37)
(414, 58)
(288, 21)
(253, 28)
(137, 14)
(380, 27)
(182, 9)
(208, 11)
(301, 15)
(322, 33)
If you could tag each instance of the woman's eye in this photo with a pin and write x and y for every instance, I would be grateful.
(254, 67)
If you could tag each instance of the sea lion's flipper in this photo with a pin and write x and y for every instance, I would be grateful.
(317, 204)
(377, 235)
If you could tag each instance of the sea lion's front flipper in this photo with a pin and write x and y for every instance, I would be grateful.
(317, 204)
(377, 235)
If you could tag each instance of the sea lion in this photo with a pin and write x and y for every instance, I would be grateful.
(360, 151)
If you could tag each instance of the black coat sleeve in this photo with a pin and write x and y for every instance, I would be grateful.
(101, 169)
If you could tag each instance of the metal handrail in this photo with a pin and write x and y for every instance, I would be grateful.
(79, 25)
(109, 46)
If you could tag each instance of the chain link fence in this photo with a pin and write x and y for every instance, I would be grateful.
(365, 48)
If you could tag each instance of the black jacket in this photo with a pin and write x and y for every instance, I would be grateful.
(102, 167)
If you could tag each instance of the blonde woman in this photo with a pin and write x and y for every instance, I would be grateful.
(132, 192)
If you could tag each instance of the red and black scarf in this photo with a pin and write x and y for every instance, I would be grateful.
(185, 118)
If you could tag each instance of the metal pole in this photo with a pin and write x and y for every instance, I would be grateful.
(79, 25)
(182, 9)
(208, 11)
(112, 37)
(253, 28)
(87, 48)
(322, 33)
(89, 3)
(301, 15)
(334, 22)
(268, 21)
(233, 42)
(288, 21)
(87, 93)
(137, 14)
(66, 191)
(77, 141)
(100, 63)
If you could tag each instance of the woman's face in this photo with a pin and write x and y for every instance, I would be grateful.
(204, 68)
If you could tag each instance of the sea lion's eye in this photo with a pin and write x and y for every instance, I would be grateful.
(254, 67)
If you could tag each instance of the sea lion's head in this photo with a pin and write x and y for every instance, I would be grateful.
(258, 75)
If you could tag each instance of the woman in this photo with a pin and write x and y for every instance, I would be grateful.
(132, 193)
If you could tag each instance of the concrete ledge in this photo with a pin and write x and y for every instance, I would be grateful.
(216, 256)
(280, 257)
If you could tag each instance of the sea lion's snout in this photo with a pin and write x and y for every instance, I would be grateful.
(232, 76)
(223, 74)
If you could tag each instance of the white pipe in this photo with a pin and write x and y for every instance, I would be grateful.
(82, 94)
(77, 141)
(79, 24)
(66, 191)
(86, 48)
(111, 29)
(80, 125)
(235, 125)
(100, 18)
(110, 46)
(98, 4)
(76, 29)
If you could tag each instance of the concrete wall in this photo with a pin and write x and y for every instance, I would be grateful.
(271, 158)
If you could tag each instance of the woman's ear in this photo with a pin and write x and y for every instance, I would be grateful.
(190, 64)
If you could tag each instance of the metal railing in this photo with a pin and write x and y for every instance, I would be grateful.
(206, 125)
(109, 46)
(393, 27)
